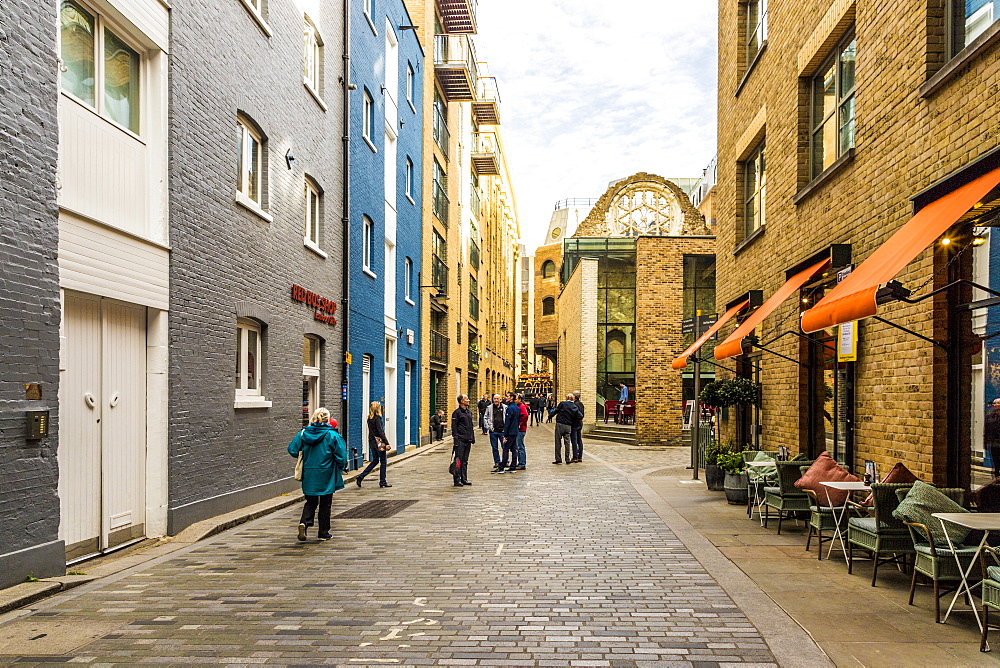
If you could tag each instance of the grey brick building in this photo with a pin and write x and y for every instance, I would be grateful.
(256, 271)
(29, 293)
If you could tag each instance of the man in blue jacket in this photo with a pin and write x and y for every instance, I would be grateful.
(511, 425)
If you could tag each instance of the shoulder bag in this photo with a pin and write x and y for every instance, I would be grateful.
(298, 464)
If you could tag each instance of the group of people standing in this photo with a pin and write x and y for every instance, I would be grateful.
(506, 422)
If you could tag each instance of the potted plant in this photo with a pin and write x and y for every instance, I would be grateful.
(731, 392)
(714, 476)
(736, 479)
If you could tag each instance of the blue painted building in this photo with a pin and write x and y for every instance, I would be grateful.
(385, 209)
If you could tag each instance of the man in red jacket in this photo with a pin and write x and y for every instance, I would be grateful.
(522, 429)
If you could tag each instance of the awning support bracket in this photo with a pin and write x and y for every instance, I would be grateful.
(694, 358)
(960, 281)
(940, 345)
(754, 343)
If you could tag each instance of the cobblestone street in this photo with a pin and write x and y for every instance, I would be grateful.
(556, 565)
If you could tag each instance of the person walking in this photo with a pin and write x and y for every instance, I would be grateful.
(378, 446)
(484, 403)
(324, 455)
(550, 404)
(540, 406)
(522, 461)
(464, 433)
(991, 435)
(493, 420)
(512, 420)
(576, 436)
(532, 409)
(565, 414)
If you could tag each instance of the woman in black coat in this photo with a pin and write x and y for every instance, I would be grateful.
(376, 441)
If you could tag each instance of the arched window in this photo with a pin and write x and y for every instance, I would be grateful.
(548, 306)
(548, 269)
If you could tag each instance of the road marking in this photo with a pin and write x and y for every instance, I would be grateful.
(499, 549)
(374, 660)
(414, 635)
(413, 621)
(422, 600)
(392, 634)
(440, 612)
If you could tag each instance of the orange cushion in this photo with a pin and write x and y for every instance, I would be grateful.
(826, 469)
(898, 474)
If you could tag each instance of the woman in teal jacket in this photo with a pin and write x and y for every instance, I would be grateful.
(324, 455)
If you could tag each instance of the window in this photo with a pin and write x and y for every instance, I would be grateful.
(249, 382)
(754, 185)
(312, 197)
(473, 297)
(369, 10)
(313, 58)
(409, 178)
(366, 244)
(968, 19)
(408, 279)
(548, 269)
(549, 306)
(410, 83)
(250, 163)
(368, 118)
(98, 67)
(310, 377)
(832, 120)
(756, 34)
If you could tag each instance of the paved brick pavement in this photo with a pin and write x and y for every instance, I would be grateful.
(553, 566)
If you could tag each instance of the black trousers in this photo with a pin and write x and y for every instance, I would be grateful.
(576, 438)
(324, 502)
(462, 451)
(378, 458)
(995, 456)
(439, 434)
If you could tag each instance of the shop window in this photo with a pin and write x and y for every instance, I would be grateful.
(312, 214)
(249, 368)
(548, 269)
(250, 163)
(548, 306)
(756, 30)
(312, 68)
(754, 191)
(967, 20)
(832, 107)
(99, 68)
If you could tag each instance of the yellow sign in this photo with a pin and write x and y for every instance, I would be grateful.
(847, 342)
(348, 358)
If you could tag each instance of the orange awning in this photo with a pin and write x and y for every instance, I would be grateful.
(733, 346)
(681, 361)
(854, 297)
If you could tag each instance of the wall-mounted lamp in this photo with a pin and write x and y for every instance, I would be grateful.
(441, 294)
(409, 27)
(946, 241)
(503, 326)
(289, 158)
(979, 239)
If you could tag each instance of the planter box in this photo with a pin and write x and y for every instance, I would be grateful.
(736, 489)
(715, 477)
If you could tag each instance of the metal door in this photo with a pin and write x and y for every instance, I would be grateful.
(102, 399)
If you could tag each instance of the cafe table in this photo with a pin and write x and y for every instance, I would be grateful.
(758, 498)
(838, 518)
(985, 522)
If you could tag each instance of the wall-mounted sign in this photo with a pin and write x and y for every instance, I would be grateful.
(324, 309)
(847, 342)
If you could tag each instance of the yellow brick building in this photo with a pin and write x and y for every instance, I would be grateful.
(867, 113)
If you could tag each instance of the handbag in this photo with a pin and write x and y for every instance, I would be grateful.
(382, 447)
(298, 464)
(456, 463)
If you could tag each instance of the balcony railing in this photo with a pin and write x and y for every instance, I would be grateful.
(441, 203)
(475, 202)
(473, 361)
(458, 16)
(439, 347)
(439, 274)
(485, 154)
(455, 67)
(442, 136)
(486, 107)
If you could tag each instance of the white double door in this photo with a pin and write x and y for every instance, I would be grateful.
(102, 434)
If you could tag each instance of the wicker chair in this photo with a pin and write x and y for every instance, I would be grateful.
(821, 519)
(757, 482)
(881, 533)
(990, 589)
(786, 497)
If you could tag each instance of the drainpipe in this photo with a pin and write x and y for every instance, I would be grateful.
(346, 220)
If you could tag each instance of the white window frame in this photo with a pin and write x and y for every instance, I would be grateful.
(312, 66)
(256, 10)
(368, 119)
(407, 280)
(247, 397)
(101, 23)
(367, 247)
(368, 9)
(409, 179)
(311, 373)
(411, 77)
(312, 219)
(248, 133)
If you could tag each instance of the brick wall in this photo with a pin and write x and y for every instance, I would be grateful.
(577, 342)
(658, 315)
(226, 260)
(904, 143)
(546, 327)
(29, 291)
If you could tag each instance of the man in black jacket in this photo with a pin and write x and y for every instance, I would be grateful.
(464, 432)
(576, 436)
(484, 402)
(566, 414)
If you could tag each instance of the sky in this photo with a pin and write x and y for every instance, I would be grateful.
(592, 91)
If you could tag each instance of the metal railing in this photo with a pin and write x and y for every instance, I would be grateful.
(488, 90)
(575, 203)
(442, 137)
(456, 51)
(441, 203)
(458, 15)
(484, 142)
(439, 274)
(475, 202)
(473, 361)
(439, 347)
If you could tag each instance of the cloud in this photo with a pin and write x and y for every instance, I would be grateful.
(594, 91)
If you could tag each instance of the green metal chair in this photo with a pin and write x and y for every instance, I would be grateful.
(881, 533)
(937, 562)
(821, 518)
(786, 497)
(990, 590)
(755, 481)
